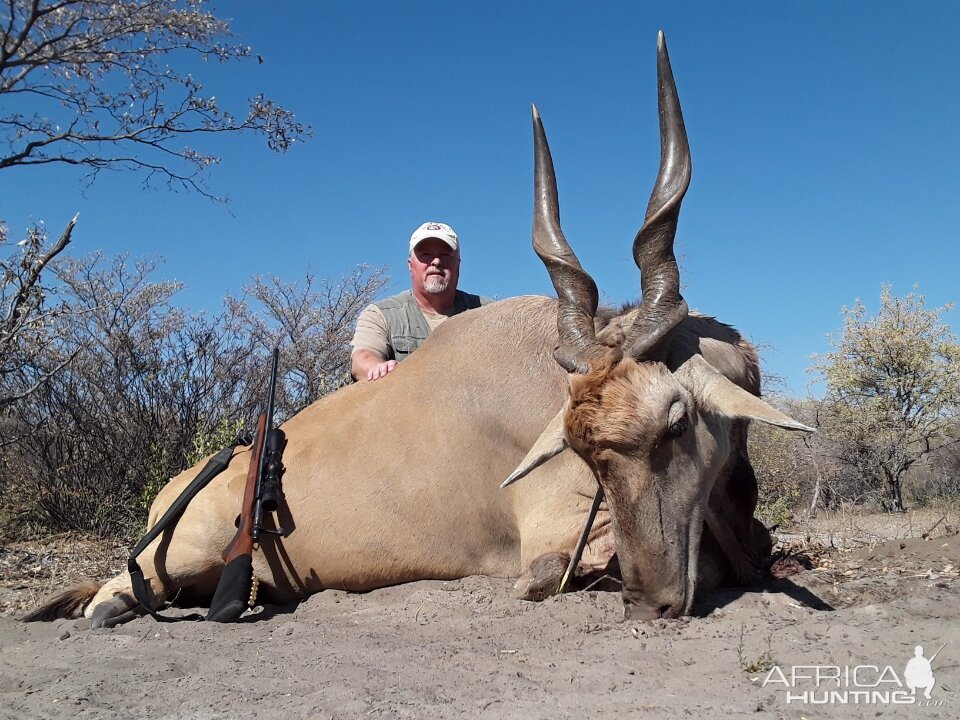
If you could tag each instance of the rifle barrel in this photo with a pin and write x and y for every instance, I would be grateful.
(937, 653)
(261, 469)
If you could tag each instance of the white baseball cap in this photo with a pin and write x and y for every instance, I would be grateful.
(438, 230)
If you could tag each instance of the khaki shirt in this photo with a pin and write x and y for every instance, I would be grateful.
(394, 327)
(371, 333)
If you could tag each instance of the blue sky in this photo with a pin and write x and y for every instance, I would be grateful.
(825, 139)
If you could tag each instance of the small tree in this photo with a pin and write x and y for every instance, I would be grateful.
(91, 83)
(94, 84)
(893, 386)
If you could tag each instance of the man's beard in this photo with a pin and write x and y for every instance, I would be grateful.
(435, 284)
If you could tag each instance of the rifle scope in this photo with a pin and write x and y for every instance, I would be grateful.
(272, 492)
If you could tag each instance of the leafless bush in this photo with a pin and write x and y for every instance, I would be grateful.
(153, 387)
(32, 314)
(937, 480)
(115, 419)
(312, 322)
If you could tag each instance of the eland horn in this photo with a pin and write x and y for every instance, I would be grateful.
(662, 307)
(577, 295)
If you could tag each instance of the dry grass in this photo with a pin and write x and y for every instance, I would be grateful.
(32, 570)
(850, 529)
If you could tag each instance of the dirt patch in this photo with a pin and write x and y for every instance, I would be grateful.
(465, 649)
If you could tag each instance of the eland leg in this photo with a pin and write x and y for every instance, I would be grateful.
(542, 578)
(116, 604)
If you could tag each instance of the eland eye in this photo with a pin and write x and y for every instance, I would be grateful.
(677, 422)
(678, 428)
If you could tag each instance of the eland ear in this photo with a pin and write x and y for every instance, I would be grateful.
(552, 442)
(718, 394)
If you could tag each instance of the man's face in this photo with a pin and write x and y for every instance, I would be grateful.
(434, 267)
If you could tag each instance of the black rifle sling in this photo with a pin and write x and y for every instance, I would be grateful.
(217, 464)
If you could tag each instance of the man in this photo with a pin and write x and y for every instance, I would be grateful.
(391, 329)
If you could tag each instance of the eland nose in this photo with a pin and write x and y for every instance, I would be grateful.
(637, 607)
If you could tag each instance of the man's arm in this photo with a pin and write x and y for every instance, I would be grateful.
(368, 359)
(367, 365)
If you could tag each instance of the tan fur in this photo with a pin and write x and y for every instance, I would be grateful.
(608, 410)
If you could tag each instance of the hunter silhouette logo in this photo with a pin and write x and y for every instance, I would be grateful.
(918, 675)
(866, 684)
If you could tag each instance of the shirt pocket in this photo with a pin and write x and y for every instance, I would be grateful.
(403, 345)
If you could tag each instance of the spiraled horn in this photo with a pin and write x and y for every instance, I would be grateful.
(662, 307)
(576, 291)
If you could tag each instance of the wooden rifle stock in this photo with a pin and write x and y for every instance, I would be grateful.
(237, 587)
(242, 543)
(236, 583)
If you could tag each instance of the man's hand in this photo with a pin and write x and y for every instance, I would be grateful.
(381, 369)
(367, 365)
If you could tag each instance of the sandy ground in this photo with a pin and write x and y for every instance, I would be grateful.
(465, 649)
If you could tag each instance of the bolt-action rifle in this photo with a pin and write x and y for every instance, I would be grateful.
(237, 588)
